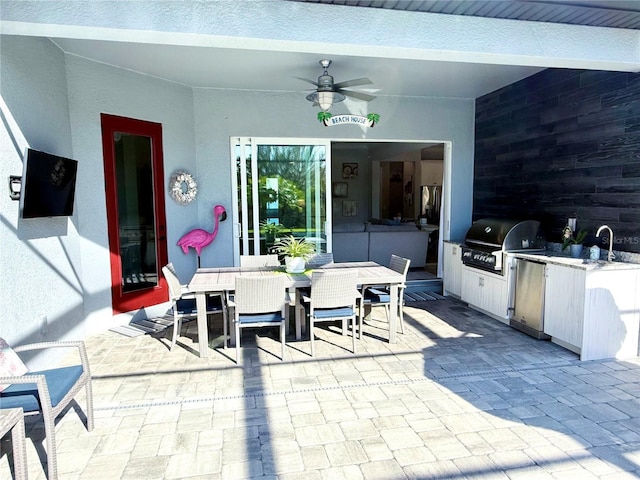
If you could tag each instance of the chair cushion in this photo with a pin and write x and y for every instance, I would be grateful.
(375, 295)
(10, 363)
(25, 395)
(274, 317)
(187, 306)
(322, 313)
(214, 303)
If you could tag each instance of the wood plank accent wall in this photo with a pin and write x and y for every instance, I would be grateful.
(559, 144)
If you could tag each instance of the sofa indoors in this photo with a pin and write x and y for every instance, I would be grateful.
(357, 242)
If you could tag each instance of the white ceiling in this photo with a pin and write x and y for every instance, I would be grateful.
(255, 70)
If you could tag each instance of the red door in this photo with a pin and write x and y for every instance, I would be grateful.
(134, 185)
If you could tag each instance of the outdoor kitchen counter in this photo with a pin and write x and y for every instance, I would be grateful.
(581, 263)
(591, 308)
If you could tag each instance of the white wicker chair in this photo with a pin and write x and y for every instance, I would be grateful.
(260, 301)
(320, 260)
(256, 261)
(334, 296)
(48, 393)
(184, 304)
(375, 296)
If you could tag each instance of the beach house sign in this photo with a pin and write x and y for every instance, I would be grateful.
(330, 120)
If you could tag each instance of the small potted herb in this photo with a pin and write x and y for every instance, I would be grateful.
(296, 252)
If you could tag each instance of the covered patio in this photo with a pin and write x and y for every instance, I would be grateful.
(458, 396)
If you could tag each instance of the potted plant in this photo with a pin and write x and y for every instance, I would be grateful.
(573, 242)
(296, 252)
(270, 230)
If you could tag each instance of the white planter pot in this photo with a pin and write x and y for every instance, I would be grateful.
(294, 264)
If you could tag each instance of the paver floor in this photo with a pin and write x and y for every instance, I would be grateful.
(460, 395)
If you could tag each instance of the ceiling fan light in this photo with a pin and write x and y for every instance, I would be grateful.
(325, 100)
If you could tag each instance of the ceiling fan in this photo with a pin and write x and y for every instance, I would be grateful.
(329, 93)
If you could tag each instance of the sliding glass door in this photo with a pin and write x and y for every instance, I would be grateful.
(280, 189)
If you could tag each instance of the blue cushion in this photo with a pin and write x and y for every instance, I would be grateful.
(275, 317)
(374, 295)
(187, 306)
(25, 395)
(333, 312)
(214, 303)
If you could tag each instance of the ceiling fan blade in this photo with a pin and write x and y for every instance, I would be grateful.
(356, 82)
(359, 95)
(307, 80)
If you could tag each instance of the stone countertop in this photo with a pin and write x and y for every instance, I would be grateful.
(580, 263)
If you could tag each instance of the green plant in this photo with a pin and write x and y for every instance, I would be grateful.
(569, 239)
(270, 229)
(295, 247)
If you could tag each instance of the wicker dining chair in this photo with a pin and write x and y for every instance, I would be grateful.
(49, 392)
(260, 301)
(270, 260)
(334, 296)
(381, 296)
(183, 304)
(320, 260)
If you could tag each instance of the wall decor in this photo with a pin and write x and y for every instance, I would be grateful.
(349, 170)
(329, 120)
(349, 208)
(183, 187)
(340, 189)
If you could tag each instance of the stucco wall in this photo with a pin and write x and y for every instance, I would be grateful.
(197, 126)
(220, 115)
(94, 89)
(40, 266)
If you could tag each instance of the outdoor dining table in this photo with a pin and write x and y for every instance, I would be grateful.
(222, 280)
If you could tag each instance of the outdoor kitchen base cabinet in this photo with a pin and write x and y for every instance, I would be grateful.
(485, 291)
(595, 313)
(452, 269)
(564, 307)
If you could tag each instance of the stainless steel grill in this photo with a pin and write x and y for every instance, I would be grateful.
(488, 239)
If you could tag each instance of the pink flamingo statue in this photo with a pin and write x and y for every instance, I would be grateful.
(199, 238)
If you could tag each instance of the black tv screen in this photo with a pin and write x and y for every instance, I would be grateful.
(48, 185)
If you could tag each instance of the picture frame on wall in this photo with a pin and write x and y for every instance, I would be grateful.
(340, 189)
(349, 208)
(349, 170)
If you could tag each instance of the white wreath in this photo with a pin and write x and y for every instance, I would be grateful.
(183, 187)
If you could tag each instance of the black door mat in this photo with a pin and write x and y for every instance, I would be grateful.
(421, 296)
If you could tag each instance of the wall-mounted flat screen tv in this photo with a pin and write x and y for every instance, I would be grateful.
(48, 185)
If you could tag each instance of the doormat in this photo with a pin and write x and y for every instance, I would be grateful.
(144, 326)
(425, 296)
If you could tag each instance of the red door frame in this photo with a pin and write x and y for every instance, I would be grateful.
(126, 302)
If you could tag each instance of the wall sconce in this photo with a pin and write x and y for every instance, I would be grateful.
(15, 187)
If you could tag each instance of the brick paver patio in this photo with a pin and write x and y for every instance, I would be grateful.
(459, 396)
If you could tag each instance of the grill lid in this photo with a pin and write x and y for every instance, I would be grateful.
(508, 235)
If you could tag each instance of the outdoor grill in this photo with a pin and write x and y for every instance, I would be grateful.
(488, 239)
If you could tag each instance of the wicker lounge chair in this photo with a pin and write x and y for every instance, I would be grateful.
(49, 392)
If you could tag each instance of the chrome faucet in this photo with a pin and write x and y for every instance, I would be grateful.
(610, 255)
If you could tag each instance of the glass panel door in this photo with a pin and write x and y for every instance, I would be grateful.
(136, 220)
(135, 211)
(281, 189)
